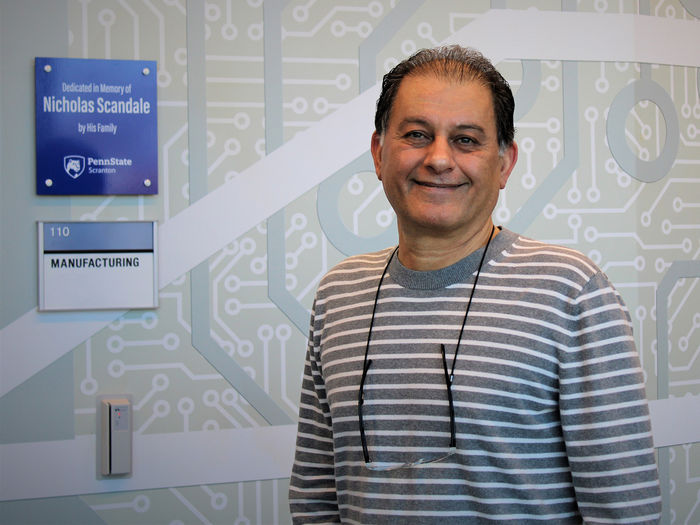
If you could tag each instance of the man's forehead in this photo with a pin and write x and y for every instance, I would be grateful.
(418, 90)
(427, 78)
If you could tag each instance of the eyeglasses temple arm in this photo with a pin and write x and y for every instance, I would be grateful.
(360, 402)
(448, 382)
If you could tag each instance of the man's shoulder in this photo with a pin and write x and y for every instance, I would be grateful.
(357, 267)
(525, 251)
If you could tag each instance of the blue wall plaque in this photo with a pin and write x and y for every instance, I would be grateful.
(96, 127)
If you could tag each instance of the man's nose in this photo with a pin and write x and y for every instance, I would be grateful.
(439, 155)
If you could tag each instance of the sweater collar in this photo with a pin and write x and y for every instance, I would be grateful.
(455, 273)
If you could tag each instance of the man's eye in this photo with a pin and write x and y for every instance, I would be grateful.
(467, 141)
(415, 135)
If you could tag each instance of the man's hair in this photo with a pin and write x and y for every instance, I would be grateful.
(459, 64)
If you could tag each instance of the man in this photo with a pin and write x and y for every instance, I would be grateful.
(469, 375)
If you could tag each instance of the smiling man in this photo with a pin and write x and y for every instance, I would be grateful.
(469, 374)
(442, 167)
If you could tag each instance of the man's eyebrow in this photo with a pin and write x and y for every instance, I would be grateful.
(423, 122)
(414, 120)
(471, 127)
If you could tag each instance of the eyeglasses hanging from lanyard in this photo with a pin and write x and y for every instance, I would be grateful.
(449, 377)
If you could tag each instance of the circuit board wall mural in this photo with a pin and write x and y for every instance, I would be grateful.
(265, 114)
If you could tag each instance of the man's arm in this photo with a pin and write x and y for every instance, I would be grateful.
(312, 493)
(605, 416)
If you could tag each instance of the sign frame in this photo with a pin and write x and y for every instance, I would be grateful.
(103, 265)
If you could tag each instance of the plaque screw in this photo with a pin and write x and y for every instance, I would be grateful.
(147, 183)
(146, 71)
(48, 183)
(47, 68)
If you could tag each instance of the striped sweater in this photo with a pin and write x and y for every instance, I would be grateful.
(552, 423)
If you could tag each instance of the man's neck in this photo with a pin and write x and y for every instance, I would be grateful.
(433, 253)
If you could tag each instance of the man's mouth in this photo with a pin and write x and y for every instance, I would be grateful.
(443, 185)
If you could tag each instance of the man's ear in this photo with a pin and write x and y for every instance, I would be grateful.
(508, 160)
(376, 148)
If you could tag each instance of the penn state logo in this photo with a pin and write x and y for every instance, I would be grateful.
(74, 165)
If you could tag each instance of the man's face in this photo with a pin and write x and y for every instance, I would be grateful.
(439, 159)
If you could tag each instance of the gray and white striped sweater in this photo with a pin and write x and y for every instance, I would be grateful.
(551, 418)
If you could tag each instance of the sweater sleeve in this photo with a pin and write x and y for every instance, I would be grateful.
(605, 415)
(312, 492)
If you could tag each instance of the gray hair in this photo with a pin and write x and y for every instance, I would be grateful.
(457, 63)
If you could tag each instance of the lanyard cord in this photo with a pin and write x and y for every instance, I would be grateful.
(469, 304)
(365, 365)
(374, 309)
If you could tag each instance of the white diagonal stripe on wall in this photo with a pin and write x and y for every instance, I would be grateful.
(553, 35)
(266, 187)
